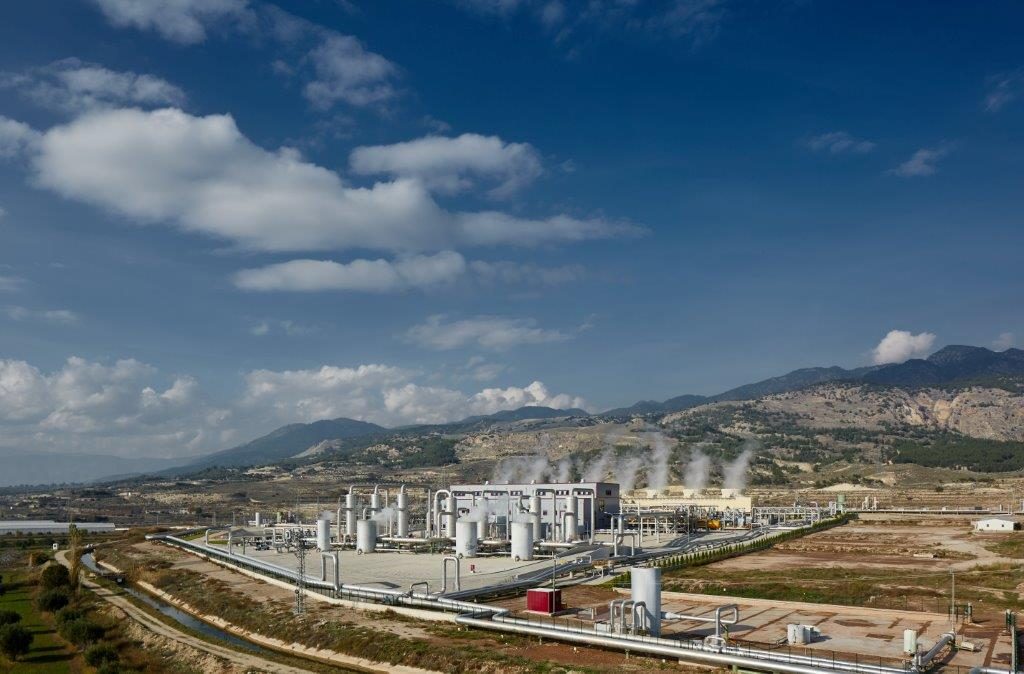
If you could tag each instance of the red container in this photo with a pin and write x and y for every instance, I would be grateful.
(544, 600)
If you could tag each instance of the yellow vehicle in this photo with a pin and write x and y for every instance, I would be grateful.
(714, 525)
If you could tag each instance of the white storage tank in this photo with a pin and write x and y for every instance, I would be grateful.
(522, 541)
(481, 523)
(465, 538)
(403, 514)
(910, 642)
(323, 534)
(645, 586)
(259, 520)
(535, 516)
(350, 514)
(374, 502)
(451, 514)
(366, 536)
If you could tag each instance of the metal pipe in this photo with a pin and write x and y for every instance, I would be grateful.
(444, 571)
(921, 662)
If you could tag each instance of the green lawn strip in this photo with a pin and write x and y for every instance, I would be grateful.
(49, 653)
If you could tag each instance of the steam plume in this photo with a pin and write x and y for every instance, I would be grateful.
(697, 470)
(736, 470)
(658, 471)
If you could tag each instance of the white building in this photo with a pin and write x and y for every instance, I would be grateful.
(995, 524)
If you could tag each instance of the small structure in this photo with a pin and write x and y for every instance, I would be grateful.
(995, 524)
(544, 600)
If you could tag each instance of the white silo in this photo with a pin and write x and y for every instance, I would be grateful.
(366, 536)
(535, 516)
(465, 538)
(403, 513)
(450, 515)
(323, 534)
(645, 586)
(522, 541)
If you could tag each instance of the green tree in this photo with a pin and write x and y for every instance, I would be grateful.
(53, 600)
(15, 641)
(53, 576)
(101, 654)
(81, 632)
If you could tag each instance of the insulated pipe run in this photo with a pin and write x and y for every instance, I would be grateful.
(922, 662)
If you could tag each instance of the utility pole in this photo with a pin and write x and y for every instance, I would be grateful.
(300, 584)
(952, 600)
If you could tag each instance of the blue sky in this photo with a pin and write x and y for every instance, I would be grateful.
(223, 215)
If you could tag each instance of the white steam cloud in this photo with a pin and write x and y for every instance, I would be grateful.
(698, 470)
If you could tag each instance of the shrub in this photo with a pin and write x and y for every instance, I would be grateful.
(53, 600)
(81, 632)
(101, 654)
(9, 617)
(69, 613)
(53, 576)
(15, 641)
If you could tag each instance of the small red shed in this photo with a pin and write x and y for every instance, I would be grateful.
(544, 600)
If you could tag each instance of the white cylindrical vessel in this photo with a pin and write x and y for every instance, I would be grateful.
(366, 536)
(350, 514)
(645, 586)
(481, 523)
(323, 534)
(259, 520)
(568, 527)
(535, 516)
(910, 642)
(465, 538)
(450, 516)
(374, 502)
(403, 514)
(522, 541)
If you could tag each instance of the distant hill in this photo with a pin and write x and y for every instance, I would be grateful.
(950, 366)
(288, 441)
(28, 468)
(524, 413)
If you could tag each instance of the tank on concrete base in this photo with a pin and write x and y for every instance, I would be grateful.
(522, 541)
(645, 586)
(366, 536)
(323, 534)
(465, 538)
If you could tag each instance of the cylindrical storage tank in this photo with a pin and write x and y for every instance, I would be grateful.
(465, 538)
(569, 527)
(793, 634)
(374, 502)
(403, 514)
(535, 516)
(450, 516)
(350, 514)
(323, 534)
(910, 642)
(481, 523)
(259, 520)
(522, 541)
(366, 536)
(645, 586)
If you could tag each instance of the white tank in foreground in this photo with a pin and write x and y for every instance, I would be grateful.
(323, 534)
(366, 536)
(645, 586)
(465, 538)
(522, 541)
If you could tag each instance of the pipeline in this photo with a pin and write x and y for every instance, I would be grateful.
(921, 662)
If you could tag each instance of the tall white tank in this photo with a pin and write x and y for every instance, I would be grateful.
(350, 514)
(366, 536)
(645, 586)
(535, 516)
(465, 538)
(522, 541)
(450, 516)
(323, 534)
(403, 514)
(481, 524)
(568, 527)
(259, 520)
(374, 502)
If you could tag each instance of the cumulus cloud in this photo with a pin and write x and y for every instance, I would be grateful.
(55, 316)
(347, 72)
(377, 276)
(182, 21)
(287, 328)
(1003, 89)
(1004, 341)
(496, 333)
(202, 175)
(124, 407)
(72, 85)
(451, 165)
(431, 404)
(921, 163)
(515, 273)
(839, 142)
(11, 284)
(901, 345)
(16, 138)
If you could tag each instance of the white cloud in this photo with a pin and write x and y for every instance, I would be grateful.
(11, 284)
(55, 316)
(16, 138)
(71, 85)
(488, 332)
(202, 175)
(182, 21)
(526, 274)
(839, 142)
(1004, 341)
(383, 394)
(379, 276)
(900, 345)
(347, 72)
(287, 328)
(450, 165)
(1003, 89)
(921, 163)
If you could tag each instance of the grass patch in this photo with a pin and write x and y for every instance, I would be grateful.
(1012, 546)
